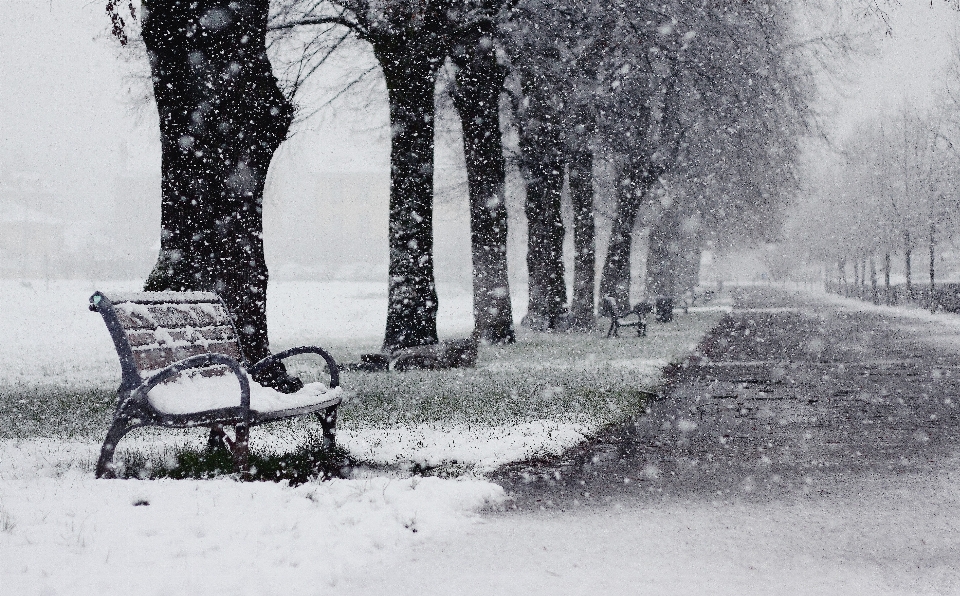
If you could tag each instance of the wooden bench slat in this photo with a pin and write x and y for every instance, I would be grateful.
(162, 336)
(153, 359)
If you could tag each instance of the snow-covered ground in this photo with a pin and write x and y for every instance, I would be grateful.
(62, 532)
(869, 537)
(50, 338)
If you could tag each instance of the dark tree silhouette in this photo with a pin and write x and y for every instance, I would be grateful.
(476, 97)
(222, 117)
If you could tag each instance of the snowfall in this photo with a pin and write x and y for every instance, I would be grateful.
(380, 532)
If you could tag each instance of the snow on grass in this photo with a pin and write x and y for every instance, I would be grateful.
(62, 532)
(462, 447)
(537, 397)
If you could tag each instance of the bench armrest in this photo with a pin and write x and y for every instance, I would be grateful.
(199, 361)
(331, 363)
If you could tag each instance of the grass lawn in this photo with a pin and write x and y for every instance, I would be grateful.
(540, 395)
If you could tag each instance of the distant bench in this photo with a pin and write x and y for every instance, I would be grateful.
(182, 367)
(618, 318)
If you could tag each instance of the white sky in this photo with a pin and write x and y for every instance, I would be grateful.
(907, 64)
(65, 112)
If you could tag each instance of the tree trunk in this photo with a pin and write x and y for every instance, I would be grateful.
(580, 176)
(548, 292)
(886, 279)
(542, 162)
(933, 293)
(476, 97)
(856, 276)
(410, 75)
(615, 275)
(907, 249)
(222, 117)
(842, 277)
(663, 258)
(874, 296)
(688, 275)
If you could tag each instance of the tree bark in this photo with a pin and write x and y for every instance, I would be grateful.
(874, 296)
(476, 97)
(222, 117)
(663, 259)
(410, 74)
(580, 177)
(615, 275)
(542, 161)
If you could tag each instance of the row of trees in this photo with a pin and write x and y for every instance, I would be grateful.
(698, 104)
(895, 191)
(708, 96)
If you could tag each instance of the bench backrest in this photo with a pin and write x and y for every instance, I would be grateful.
(608, 307)
(152, 330)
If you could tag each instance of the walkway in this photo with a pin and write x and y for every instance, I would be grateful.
(789, 395)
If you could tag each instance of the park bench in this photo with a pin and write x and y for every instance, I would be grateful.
(181, 367)
(618, 319)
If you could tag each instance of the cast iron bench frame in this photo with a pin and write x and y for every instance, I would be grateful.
(608, 308)
(134, 410)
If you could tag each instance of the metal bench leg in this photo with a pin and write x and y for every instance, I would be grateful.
(121, 426)
(328, 422)
(241, 450)
(219, 439)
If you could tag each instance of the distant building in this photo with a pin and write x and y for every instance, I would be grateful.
(31, 239)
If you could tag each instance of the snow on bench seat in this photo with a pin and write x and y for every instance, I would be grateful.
(190, 394)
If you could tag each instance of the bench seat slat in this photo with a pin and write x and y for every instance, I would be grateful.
(163, 297)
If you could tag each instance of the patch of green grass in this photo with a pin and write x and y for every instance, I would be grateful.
(308, 461)
(570, 377)
(54, 411)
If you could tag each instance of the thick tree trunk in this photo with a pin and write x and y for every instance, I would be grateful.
(663, 259)
(410, 74)
(476, 97)
(615, 275)
(542, 160)
(874, 296)
(548, 291)
(222, 117)
(580, 176)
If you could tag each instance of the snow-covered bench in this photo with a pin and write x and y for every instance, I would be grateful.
(182, 367)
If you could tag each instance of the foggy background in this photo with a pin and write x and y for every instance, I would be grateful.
(80, 156)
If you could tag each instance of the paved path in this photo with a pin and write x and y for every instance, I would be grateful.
(808, 450)
(789, 396)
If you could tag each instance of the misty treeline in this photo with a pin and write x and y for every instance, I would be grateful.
(696, 106)
(891, 201)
